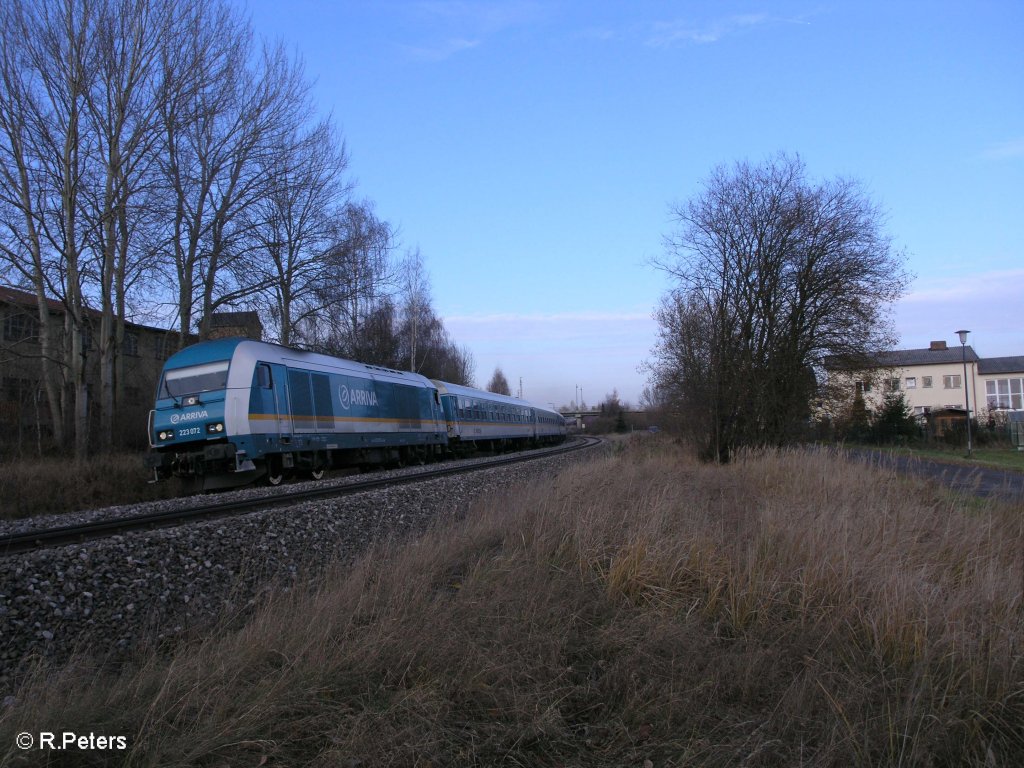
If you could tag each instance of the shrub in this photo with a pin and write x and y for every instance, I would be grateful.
(895, 422)
(55, 485)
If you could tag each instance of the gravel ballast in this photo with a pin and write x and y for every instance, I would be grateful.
(113, 595)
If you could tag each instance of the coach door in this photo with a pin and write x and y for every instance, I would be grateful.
(437, 410)
(273, 399)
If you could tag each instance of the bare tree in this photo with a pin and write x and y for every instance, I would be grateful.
(48, 50)
(222, 128)
(437, 355)
(25, 190)
(292, 223)
(773, 273)
(355, 314)
(458, 365)
(122, 108)
(498, 383)
(418, 316)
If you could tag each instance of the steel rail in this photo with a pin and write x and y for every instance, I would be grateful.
(44, 538)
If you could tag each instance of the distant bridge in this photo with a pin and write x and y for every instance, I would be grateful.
(583, 417)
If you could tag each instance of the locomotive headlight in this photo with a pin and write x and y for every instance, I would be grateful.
(165, 435)
(215, 429)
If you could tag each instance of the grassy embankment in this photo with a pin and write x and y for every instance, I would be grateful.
(995, 458)
(790, 609)
(44, 486)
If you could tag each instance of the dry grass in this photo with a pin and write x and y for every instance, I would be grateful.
(53, 485)
(787, 610)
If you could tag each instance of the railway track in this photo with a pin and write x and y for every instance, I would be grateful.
(17, 543)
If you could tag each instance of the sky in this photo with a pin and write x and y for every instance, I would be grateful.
(532, 152)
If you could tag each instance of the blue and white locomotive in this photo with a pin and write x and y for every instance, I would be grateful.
(231, 411)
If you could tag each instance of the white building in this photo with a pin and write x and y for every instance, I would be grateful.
(934, 379)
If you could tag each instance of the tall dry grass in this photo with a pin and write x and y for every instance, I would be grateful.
(52, 485)
(790, 609)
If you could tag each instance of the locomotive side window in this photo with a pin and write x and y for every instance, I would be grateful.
(264, 379)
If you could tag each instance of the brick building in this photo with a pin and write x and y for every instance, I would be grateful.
(24, 412)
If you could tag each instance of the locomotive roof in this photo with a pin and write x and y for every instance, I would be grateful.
(203, 352)
(239, 347)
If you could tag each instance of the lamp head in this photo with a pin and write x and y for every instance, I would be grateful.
(963, 336)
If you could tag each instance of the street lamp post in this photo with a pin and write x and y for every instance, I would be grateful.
(967, 391)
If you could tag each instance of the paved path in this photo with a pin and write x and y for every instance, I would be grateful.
(982, 481)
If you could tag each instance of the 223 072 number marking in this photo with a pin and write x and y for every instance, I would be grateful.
(190, 431)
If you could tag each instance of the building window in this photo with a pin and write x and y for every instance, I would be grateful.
(1005, 394)
(892, 385)
(863, 386)
(911, 382)
(18, 326)
(131, 344)
(164, 347)
(18, 390)
(951, 382)
(926, 382)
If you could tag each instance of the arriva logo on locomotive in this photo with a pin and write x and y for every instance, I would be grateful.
(191, 416)
(356, 397)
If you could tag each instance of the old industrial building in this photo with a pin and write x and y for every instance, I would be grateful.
(24, 415)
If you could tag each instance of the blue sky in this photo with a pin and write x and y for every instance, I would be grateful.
(531, 150)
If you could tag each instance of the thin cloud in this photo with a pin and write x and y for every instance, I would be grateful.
(599, 34)
(1005, 149)
(454, 26)
(440, 51)
(984, 285)
(481, 18)
(511, 318)
(666, 34)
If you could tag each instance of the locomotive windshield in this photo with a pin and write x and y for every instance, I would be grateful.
(194, 378)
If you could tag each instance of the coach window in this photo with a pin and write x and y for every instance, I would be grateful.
(264, 379)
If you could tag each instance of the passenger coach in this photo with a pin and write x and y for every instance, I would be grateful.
(504, 422)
